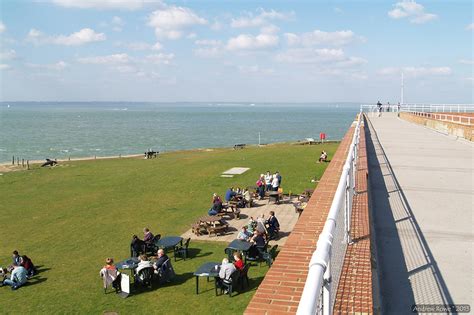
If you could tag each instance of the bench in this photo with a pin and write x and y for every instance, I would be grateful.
(239, 146)
(220, 229)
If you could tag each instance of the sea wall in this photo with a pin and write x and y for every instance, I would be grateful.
(282, 287)
(458, 130)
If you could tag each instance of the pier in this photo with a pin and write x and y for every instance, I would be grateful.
(411, 220)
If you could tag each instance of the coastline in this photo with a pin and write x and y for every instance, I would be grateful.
(9, 167)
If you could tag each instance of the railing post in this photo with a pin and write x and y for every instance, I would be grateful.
(327, 309)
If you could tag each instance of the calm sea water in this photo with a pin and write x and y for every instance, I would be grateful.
(59, 130)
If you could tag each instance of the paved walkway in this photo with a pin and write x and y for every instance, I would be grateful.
(285, 213)
(422, 192)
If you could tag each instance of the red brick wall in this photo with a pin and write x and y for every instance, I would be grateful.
(280, 290)
(354, 292)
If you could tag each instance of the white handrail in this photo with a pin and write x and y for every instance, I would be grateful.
(319, 274)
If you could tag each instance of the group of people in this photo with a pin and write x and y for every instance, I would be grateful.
(242, 197)
(226, 269)
(268, 182)
(18, 272)
(111, 275)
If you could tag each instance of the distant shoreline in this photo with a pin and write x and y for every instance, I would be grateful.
(5, 164)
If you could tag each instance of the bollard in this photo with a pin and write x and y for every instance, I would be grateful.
(22, 162)
(69, 158)
(13, 160)
(28, 164)
(17, 161)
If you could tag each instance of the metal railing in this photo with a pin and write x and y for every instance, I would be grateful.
(426, 108)
(457, 119)
(317, 293)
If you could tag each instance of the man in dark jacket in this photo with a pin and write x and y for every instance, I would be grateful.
(273, 225)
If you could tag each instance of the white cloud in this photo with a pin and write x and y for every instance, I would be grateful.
(160, 58)
(117, 24)
(466, 61)
(4, 66)
(171, 21)
(106, 60)
(58, 66)
(416, 71)
(8, 55)
(84, 36)
(412, 10)
(263, 18)
(269, 29)
(104, 4)
(470, 27)
(307, 55)
(140, 46)
(208, 42)
(250, 42)
(2, 27)
(318, 37)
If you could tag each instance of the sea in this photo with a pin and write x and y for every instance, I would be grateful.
(39, 130)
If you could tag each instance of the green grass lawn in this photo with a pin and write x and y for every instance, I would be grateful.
(68, 219)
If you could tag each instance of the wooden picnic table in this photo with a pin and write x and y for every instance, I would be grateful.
(210, 219)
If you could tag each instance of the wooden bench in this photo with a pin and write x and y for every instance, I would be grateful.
(220, 229)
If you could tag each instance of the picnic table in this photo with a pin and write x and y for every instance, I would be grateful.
(275, 195)
(239, 245)
(211, 220)
(168, 242)
(206, 270)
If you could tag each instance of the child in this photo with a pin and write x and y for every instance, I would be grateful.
(110, 275)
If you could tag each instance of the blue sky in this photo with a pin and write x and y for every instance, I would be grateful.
(250, 51)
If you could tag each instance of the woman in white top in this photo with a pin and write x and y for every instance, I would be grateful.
(275, 183)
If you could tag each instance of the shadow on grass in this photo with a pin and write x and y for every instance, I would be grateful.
(40, 269)
(34, 280)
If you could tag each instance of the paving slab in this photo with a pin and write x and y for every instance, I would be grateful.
(285, 213)
(422, 202)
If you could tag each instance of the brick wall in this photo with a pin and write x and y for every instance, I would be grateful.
(280, 290)
(464, 131)
(354, 292)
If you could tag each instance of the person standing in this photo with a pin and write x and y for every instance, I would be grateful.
(268, 181)
(275, 183)
(261, 186)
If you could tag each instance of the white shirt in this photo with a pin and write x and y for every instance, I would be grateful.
(268, 179)
(275, 182)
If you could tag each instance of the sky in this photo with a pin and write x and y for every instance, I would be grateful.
(236, 51)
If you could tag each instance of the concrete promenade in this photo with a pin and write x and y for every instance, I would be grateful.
(421, 186)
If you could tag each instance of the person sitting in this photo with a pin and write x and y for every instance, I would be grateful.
(28, 265)
(16, 259)
(230, 194)
(137, 247)
(216, 197)
(273, 225)
(323, 157)
(17, 277)
(216, 207)
(147, 236)
(259, 242)
(252, 225)
(238, 263)
(261, 224)
(225, 272)
(247, 198)
(142, 264)
(110, 275)
(162, 257)
(244, 235)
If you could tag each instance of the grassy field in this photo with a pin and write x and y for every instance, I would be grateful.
(68, 219)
